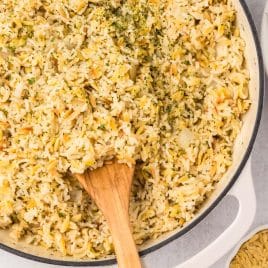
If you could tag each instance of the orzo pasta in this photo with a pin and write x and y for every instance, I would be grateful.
(160, 82)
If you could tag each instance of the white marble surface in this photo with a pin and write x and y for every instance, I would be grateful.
(172, 254)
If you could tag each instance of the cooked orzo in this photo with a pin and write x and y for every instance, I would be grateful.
(160, 82)
(253, 253)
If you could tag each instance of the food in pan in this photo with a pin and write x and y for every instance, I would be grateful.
(162, 83)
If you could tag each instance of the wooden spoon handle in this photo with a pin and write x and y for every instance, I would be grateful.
(125, 247)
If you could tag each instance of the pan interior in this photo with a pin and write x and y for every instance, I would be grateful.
(241, 146)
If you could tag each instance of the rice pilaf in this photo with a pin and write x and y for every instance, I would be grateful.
(162, 83)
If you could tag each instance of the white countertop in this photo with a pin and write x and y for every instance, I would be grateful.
(205, 232)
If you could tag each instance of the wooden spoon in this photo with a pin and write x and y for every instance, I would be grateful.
(109, 186)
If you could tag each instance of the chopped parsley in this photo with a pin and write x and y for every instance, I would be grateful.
(31, 81)
(102, 127)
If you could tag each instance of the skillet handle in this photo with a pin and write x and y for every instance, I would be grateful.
(244, 192)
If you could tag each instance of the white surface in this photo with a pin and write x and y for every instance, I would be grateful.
(217, 221)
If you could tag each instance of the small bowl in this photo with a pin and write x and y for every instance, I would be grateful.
(244, 240)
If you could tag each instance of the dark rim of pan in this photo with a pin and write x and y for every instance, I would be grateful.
(104, 262)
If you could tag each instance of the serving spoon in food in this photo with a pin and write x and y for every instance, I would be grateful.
(109, 186)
